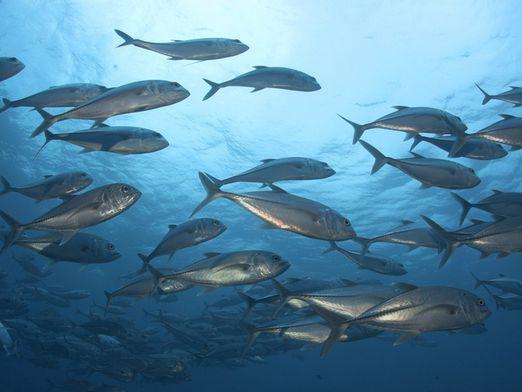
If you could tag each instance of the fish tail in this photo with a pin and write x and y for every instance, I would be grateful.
(16, 230)
(284, 295)
(109, 298)
(380, 159)
(462, 138)
(333, 247)
(214, 87)
(7, 105)
(358, 129)
(487, 97)
(253, 333)
(250, 303)
(416, 140)
(450, 242)
(48, 121)
(128, 40)
(145, 260)
(212, 189)
(478, 282)
(5, 184)
(48, 137)
(466, 206)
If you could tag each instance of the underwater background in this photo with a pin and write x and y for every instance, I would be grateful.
(367, 56)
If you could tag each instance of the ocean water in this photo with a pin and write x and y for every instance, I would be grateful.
(367, 56)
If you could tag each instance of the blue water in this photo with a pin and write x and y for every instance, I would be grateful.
(367, 56)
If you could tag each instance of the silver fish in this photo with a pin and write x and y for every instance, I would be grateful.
(10, 66)
(285, 211)
(430, 172)
(67, 95)
(413, 120)
(268, 77)
(129, 98)
(507, 285)
(502, 204)
(514, 96)
(51, 187)
(200, 49)
(412, 238)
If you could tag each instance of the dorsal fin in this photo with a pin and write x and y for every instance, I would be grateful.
(399, 107)
(267, 160)
(506, 116)
(48, 176)
(416, 155)
(172, 226)
(260, 66)
(496, 191)
(212, 254)
(175, 40)
(502, 275)
(477, 221)
(513, 87)
(275, 188)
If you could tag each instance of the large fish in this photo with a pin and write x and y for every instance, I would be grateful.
(371, 262)
(268, 77)
(10, 66)
(231, 268)
(53, 186)
(66, 95)
(182, 236)
(506, 131)
(429, 171)
(473, 148)
(200, 49)
(82, 248)
(118, 140)
(514, 96)
(500, 204)
(80, 211)
(285, 211)
(413, 120)
(423, 309)
(283, 169)
(129, 98)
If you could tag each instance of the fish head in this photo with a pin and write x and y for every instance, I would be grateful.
(170, 92)
(103, 250)
(236, 47)
(471, 177)
(306, 82)
(208, 228)
(79, 181)
(320, 169)
(455, 123)
(339, 227)
(474, 309)
(497, 150)
(14, 65)
(120, 196)
(396, 269)
(268, 264)
(154, 141)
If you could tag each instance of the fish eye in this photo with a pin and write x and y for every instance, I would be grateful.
(215, 223)
(481, 302)
(175, 84)
(276, 258)
(12, 59)
(125, 188)
(347, 222)
(110, 246)
(238, 41)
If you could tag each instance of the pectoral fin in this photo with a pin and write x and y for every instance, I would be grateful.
(67, 235)
(405, 337)
(257, 89)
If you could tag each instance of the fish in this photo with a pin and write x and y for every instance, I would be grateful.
(9, 67)
(423, 309)
(507, 285)
(413, 238)
(514, 96)
(41, 294)
(118, 140)
(231, 268)
(268, 77)
(200, 49)
(500, 204)
(282, 210)
(66, 95)
(428, 171)
(139, 288)
(282, 169)
(187, 234)
(81, 248)
(506, 131)
(413, 120)
(73, 294)
(51, 187)
(128, 98)
(473, 148)
(79, 211)
(6, 340)
(29, 267)
(371, 262)
(508, 301)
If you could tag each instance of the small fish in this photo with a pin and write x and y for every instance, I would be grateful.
(268, 77)
(514, 96)
(200, 49)
(507, 285)
(500, 204)
(10, 66)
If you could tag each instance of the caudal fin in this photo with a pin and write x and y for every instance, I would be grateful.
(48, 137)
(416, 140)
(5, 185)
(462, 138)
(466, 206)
(380, 159)
(253, 333)
(450, 242)
(365, 244)
(214, 87)
(333, 247)
(284, 295)
(478, 282)
(487, 97)
(7, 105)
(16, 230)
(250, 303)
(145, 260)
(48, 120)
(109, 298)
(212, 189)
(358, 129)
(128, 40)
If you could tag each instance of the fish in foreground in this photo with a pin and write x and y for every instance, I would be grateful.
(231, 268)
(506, 131)
(282, 169)
(282, 210)
(77, 212)
(67, 95)
(430, 172)
(514, 96)
(129, 98)
(185, 235)
(371, 262)
(82, 248)
(200, 49)
(500, 204)
(53, 186)
(423, 309)
(413, 120)
(507, 285)
(118, 140)
(10, 66)
(268, 77)
(473, 148)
